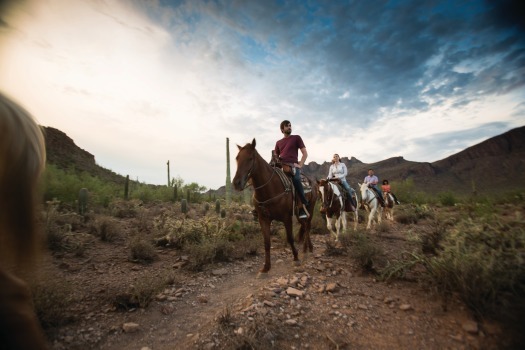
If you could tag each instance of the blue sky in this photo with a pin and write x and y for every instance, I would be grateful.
(138, 83)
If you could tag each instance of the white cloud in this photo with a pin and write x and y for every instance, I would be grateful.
(137, 90)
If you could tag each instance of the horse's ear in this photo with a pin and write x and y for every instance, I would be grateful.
(253, 143)
(239, 147)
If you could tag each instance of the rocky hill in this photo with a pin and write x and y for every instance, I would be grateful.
(494, 165)
(65, 154)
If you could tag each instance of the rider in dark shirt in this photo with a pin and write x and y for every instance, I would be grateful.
(287, 150)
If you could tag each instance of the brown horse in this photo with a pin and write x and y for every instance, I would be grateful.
(22, 158)
(273, 199)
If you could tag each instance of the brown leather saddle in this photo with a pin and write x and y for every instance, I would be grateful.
(289, 171)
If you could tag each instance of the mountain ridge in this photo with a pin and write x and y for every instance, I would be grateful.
(493, 165)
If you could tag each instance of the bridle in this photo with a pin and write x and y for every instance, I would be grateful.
(373, 196)
(249, 175)
(325, 197)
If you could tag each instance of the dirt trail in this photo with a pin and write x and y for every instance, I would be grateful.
(356, 312)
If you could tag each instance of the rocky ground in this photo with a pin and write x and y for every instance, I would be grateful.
(327, 302)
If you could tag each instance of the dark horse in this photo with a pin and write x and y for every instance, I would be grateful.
(273, 199)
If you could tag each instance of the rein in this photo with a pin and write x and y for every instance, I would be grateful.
(373, 196)
(274, 170)
(332, 195)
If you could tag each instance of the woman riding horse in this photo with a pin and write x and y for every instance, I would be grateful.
(338, 171)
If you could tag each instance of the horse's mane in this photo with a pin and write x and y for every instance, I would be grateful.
(22, 159)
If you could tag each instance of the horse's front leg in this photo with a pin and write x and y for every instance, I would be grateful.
(370, 217)
(265, 229)
(343, 221)
(329, 226)
(289, 236)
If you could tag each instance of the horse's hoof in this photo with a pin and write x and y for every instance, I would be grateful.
(262, 275)
(297, 263)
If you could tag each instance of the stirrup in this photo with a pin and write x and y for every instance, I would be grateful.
(305, 211)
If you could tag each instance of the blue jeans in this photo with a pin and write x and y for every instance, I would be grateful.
(296, 180)
(378, 190)
(347, 187)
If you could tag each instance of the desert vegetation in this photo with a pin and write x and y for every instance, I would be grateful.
(469, 249)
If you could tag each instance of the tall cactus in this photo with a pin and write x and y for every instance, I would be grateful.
(228, 180)
(218, 206)
(168, 173)
(82, 201)
(183, 206)
(126, 188)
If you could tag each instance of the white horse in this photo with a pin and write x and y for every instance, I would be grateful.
(371, 203)
(389, 206)
(332, 205)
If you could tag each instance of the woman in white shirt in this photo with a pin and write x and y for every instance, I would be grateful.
(339, 171)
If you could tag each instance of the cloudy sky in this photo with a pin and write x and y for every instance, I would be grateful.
(138, 83)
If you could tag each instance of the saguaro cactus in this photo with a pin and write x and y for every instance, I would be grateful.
(218, 206)
(82, 201)
(228, 180)
(126, 188)
(183, 206)
(168, 173)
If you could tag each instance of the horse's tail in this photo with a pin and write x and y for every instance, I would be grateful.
(22, 159)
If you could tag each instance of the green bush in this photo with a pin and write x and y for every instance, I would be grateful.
(480, 261)
(447, 199)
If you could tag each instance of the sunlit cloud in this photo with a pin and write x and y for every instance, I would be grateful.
(140, 83)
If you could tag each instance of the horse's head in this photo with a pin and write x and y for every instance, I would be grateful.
(245, 165)
(324, 189)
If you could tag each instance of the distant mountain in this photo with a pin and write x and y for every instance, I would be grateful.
(497, 164)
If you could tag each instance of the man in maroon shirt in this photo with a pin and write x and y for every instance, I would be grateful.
(287, 150)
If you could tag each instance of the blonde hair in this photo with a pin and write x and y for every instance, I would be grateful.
(22, 160)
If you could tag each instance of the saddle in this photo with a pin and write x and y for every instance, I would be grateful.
(346, 198)
(289, 171)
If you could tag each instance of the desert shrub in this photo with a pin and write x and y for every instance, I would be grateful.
(262, 333)
(52, 299)
(106, 229)
(362, 249)
(208, 251)
(142, 251)
(447, 199)
(142, 292)
(177, 233)
(406, 217)
(431, 239)
(248, 246)
(482, 262)
(121, 208)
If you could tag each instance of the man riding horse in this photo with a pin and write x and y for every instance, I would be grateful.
(286, 149)
(371, 180)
